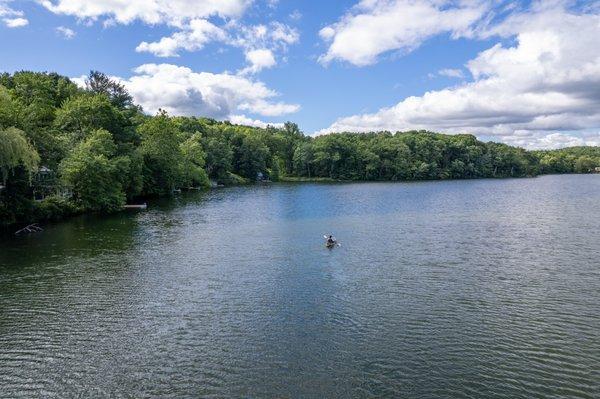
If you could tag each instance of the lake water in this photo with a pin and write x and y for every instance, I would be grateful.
(462, 289)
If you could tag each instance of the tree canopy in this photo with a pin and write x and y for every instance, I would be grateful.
(94, 149)
(16, 151)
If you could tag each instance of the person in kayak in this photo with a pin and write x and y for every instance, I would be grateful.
(330, 241)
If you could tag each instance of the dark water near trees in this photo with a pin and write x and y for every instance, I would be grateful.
(487, 288)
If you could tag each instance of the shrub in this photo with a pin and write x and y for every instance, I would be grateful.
(54, 208)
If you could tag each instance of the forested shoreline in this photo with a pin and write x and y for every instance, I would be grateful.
(66, 150)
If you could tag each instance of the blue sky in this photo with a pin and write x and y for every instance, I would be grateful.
(525, 73)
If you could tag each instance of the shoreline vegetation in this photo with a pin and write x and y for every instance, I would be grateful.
(67, 150)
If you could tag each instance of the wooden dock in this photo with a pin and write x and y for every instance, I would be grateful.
(140, 206)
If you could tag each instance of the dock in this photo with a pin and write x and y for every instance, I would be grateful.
(140, 206)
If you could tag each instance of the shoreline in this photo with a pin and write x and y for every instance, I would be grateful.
(143, 201)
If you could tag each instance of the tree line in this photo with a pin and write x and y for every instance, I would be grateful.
(66, 150)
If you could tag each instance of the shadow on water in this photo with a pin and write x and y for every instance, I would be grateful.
(86, 236)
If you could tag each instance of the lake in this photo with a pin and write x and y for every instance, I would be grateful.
(462, 289)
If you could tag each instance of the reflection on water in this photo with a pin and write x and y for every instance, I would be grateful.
(486, 288)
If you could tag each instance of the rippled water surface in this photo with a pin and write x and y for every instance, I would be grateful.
(487, 288)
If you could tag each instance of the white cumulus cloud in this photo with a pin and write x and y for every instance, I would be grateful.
(65, 32)
(196, 23)
(547, 82)
(193, 37)
(451, 73)
(259, 59)
(244, 120)
(12, 18)
(260, 43)
(173, 12)
(181, 91)
(296, 15)
(544, 141)
(374, 27)
(16, 22)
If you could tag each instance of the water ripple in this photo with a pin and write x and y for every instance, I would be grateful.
(446, 289)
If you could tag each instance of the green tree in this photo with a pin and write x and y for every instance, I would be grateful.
(276, 167)
(292, 137)
(99, 83)
(193, 162)
(11, 111)
(160, 146)
(584, 164)
(83, 114)
(16, 151)
(303, 159)
(251, 157)
(219, 156)
(94, 173)
(18, 161)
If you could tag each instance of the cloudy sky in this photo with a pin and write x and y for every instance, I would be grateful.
(526, 73)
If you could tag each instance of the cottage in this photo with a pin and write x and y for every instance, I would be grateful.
(46, 183)
(597, 169)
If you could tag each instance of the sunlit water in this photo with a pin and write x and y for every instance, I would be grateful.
(486, 288)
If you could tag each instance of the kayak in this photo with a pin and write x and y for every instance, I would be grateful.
(331, 244)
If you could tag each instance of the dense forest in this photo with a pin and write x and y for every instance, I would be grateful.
(66, 150)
